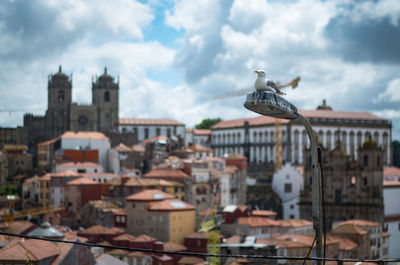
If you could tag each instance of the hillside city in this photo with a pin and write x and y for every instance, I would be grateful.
(82, 173)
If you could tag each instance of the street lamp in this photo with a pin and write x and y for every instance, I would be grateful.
(268, 103)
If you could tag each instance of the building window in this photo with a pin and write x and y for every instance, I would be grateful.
(146, 133)
(365, 181)
(288, 187)
(365, 160)
(107, 96)
(338, 196)
(158, 131)
(133, 205)
(292, 206)
(169, 133)
(60, 95)
(353, 180)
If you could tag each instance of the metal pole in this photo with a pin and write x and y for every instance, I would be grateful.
(316, 187)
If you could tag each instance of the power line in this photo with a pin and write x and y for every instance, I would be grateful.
(197, 254)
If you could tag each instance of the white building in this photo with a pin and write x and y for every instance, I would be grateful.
(198, 136)
(391, 198)
(86, 141)
(255, 137)
(288, 182)
(80, 167)
(147, 128)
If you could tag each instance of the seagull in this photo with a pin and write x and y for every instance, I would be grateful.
(262, 83)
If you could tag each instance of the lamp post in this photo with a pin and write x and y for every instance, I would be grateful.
(268, 103)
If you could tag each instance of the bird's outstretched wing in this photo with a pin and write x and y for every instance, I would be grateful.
(271, 84)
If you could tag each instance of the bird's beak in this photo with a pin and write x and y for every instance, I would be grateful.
(256, 71)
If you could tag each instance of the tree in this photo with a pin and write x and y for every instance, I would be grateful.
(207, 123)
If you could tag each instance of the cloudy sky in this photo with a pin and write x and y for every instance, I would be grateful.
(173, 57)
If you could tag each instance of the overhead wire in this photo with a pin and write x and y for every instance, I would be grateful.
(196, 253)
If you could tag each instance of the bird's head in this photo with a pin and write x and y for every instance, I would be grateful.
(260, 73)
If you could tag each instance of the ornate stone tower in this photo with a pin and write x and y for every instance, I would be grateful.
(59, 104)
(353, 188)
(105, 92)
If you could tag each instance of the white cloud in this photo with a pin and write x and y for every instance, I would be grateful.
(391, 93)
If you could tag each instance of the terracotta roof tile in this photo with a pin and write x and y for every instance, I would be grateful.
(138, 148)
(155, 138)
(199, 148)
(18, 227)
(294, 223)
(82, 181)
(335, 114)
(232, 240)
(264, 213)
(172, 205)
(144, 238)
(123, 148)
(37, 249)
(201, 132)
(190, 260)
(124, 237)
(391, 172)
(127, 121)
(166, 173)
(260, 120)
(349, 229)
(359, 223)
(326, 114)
(100, 230)
(80, 164)
(255, 221)
(171, 246)
(85, 135)
(149, 195)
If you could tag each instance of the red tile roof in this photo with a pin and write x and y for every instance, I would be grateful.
(127, 121)
(190, 260)
(138, 148)
(124, 237)
(80, 164)
(359, 223)
(263, 213)
(37, 250)
(152, 139)
(232, 240)
(335, 114)
(201, 132)
(255, 221)
(260, 120)
(19, 227)
(171, 246)
(144, 238)
(85, 135)
(166, 173)
(149, 195)
(327, 114)
(295, 223)
(172, 205)
(391, 172)
(100, 230)
(349, 229)
(82, 181)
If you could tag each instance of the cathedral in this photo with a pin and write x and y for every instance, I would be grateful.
(64, 115)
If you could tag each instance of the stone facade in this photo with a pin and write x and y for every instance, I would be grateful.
(64, 115)
(353, 188)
